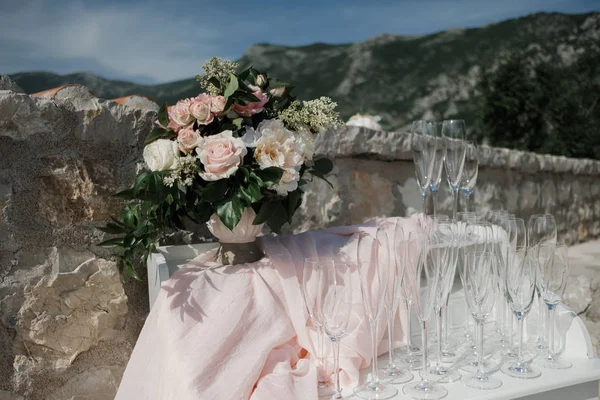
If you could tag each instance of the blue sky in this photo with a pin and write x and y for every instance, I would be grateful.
(160, 41)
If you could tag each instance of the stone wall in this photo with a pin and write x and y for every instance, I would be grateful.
(68, 324)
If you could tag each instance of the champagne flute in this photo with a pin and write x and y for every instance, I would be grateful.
(423, 282)
(521, 276)
(438, 164)
(392, 373)
(553, 281)
(470, 172)
(478, 280)
(311, 281)
(423, 146)
(454, 132)
(541, 228)
(373, 271)
(335, 301)
(447, 267)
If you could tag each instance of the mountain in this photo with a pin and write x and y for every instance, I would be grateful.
(401, 78)
(32, 82)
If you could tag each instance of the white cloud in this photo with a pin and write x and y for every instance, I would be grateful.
(135, 40)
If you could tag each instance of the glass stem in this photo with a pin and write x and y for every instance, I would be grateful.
(454, 203)
(424, 350)
(337, 393)
(373, 329)
(408, 323)
(424, 195)
(551, 326)
(467, 204)
(434, 196)
(320, 357)
(445, 325)
(520, 329)
(480, 373)
(438, 317)
(390, 318)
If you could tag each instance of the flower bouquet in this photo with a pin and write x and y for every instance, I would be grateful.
(235, 157)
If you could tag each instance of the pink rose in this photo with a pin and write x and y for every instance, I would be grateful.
(277, 92)
(255, 107)
(260, 80)
(200, 109)
(180, 116)
(218, 104)
(221, 155)
(187, 139)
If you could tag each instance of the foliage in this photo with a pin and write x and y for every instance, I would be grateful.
(543, 106)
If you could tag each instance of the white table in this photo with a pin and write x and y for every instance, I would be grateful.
(580, 382)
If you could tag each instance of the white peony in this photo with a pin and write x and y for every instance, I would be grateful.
(288, 182)
(161, 155)
(278, 147)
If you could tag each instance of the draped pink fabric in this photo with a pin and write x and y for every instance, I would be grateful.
(242, 332)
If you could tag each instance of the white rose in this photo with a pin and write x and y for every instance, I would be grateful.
(221, 155)
(277, 146)
(161, 155)
(288, 182)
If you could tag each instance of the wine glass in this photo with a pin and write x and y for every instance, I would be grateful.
(541, 228)
(478, 281)
(438, 164)
(447, 262)
(312, 277)
(423, 282)
(423, 144)
(392, 373)
(470, 171)
(335, 304)
(521, 276)
(454, 132)
(373, 270)
(553, 281)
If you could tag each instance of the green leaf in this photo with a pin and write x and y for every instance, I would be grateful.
(294, 200)
(163, 115)
(245, 98)
(169, 199)
(232, 86)
(203, 212)
(321, 176)
(278, 217)
(230, 212)
(323, 166)
(215, 191)
(127, 194)
(265, 212)
(238, 122)
(112, 243)
(111, 228)
(269, 176)
(157, 133)
(141, 231)
(130, 270)
(249, 194)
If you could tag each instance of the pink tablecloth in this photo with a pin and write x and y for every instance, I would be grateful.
(241, 332)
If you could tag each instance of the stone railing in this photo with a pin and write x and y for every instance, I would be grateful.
(374, 176)
(68, 324)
